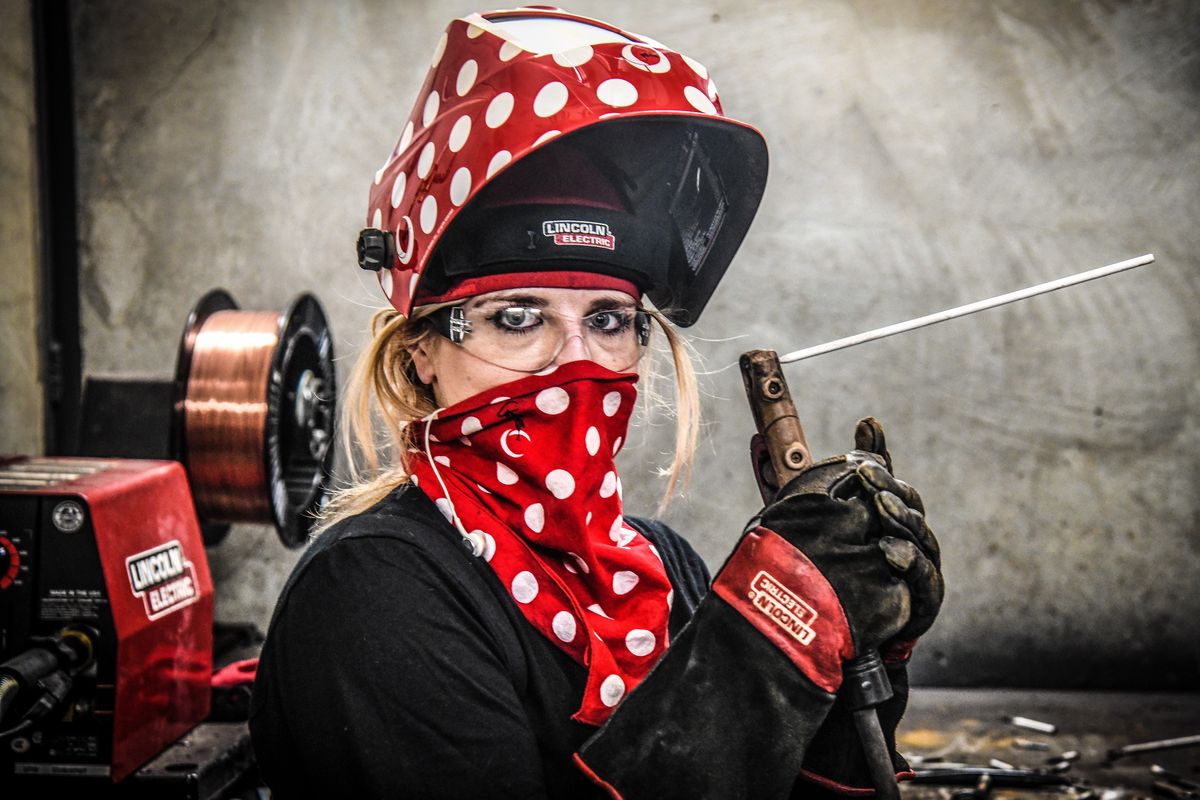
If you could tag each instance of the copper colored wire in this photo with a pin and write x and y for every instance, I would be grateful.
(226, 415)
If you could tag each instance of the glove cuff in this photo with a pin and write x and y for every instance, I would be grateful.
(779, 591)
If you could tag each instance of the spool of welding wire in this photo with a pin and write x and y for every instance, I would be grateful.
(253, 414)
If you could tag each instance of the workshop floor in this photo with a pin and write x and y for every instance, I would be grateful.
(970, 726)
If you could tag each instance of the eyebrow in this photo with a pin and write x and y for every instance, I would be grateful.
(530, 300)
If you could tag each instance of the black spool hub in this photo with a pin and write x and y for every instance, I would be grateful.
(212, 302)
(301, 397)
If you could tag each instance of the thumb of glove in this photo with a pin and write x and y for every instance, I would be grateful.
(868, 436)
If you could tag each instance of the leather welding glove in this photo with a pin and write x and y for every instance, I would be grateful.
(732, 706)
(828, 762)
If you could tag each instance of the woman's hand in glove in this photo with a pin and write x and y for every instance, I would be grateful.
(867, 571)
(840, 563)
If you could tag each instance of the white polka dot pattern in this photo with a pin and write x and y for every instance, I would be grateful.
(398, 189)
(498, 162)
(499, 110)
(554, 400)
(460, 186)
(550, 99)
(432, 103)
(505, 475)
(428, 214)
(425, 161)
(696, 66)
(459, 133)
(617, 92)
(509, 51)
(405, 138)
(699, 100)
(560, 483)
(640, 642)
(612, 402)
(535, 517)
(612, 690)
(624, 581)
(564, 626)
(466, 77)
(524, 587)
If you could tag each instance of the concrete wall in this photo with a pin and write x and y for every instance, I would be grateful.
(925, 154)
(20, 374)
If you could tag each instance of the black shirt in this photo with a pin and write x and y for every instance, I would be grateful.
(397, 665)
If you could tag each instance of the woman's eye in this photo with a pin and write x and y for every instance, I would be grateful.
(517, 318)
(610, 321)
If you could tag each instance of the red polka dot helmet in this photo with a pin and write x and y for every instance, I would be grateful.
(539, 91)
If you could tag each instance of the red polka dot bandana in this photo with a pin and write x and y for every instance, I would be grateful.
(527, 468)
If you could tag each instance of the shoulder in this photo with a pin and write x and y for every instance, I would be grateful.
(399, 554)
(403, 528)
(395, 577)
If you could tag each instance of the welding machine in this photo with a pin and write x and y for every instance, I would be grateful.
(106, 600)
(107, 604)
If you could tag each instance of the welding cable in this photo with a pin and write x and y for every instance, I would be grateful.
(226, 414)
(51, 665)
(55, 688)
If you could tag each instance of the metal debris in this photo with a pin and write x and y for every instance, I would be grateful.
(1032, 724)
(1154, 747)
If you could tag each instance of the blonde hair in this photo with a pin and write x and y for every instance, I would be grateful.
(384, 396)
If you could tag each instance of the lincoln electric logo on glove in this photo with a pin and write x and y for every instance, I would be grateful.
(576, 232)
(782, 607)
(163, 578)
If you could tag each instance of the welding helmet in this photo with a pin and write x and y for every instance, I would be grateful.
(543, 140)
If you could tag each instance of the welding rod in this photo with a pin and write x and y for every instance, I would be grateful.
(1154, 747)
(962, 311)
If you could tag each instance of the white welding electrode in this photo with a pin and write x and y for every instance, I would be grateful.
(962, 311)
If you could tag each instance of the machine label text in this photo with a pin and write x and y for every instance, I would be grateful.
(163, 578)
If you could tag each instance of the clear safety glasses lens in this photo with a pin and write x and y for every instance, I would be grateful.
(527, 338)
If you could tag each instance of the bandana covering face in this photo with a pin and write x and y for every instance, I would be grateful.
(528, 468)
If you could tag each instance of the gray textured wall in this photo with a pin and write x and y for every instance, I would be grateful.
(20, 378)
(925, 154)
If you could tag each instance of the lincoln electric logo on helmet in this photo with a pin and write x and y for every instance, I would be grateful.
(577, 232)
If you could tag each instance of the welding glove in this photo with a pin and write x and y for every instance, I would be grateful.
(831, 765)
(730, 710)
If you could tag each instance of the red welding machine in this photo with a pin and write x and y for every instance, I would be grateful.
(105, 596)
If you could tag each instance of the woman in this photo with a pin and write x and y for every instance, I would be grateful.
(479, 618)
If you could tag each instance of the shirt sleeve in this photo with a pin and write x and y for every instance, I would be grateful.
(378, 680)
